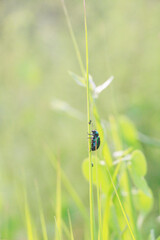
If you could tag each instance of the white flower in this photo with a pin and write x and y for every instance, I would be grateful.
(98, 89)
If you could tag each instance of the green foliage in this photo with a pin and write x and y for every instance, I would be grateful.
(128, 132)
(143, 203)
(99, 171)
(138, 164)
(138, 170)
(140, 199)
(36, 54)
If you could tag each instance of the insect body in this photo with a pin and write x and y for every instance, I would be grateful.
(95, 140)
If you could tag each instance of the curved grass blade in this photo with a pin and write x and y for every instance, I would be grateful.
(58, 201)
(29, 222)
(67, 184)
(73, 38)
(120, 203)
(70, 226)
(42, 219)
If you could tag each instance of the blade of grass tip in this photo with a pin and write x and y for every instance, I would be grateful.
(58, 200)
(67, 184)
(120, 203)
(30, 231)
(92, 225)
(42, 219)
(70, 226)
(73, 38)
(57, 230)
(66, 231)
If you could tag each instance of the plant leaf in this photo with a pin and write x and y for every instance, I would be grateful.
(141, 184)
(59, 105)
(138, 169)
(142, 202)
(79, 80)
(128, 132)
(103, 182)
(92, 83)
(103, 86)
(138, 163)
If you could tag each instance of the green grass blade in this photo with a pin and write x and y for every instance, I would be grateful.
(67, 184)
(73, 38)
(58, 202)
(29, 222)
(91, 201)
(126, 184)
(120, 203)
(66, 230)
(43, 225)
(106, 215)
(57, 231)
(98, 203)
(42, 219)
(70, 226)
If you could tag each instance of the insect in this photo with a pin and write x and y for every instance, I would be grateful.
(95, 140)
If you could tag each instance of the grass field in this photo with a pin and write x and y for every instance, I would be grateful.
(48, 188)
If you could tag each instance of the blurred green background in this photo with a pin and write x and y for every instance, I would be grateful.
(36, 53)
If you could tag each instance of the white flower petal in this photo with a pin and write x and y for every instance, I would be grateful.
(79, 80)
(92, 83)
(58, 105)
(101, 87)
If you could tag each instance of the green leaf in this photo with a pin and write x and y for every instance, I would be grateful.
(143, 203)
(141, 184)
(138, 169)
(158, 238)
(138, 163)
(79, 80)
(103, 180)
(62, 106)
(128, 132)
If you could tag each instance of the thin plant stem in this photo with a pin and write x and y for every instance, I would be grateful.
(70, 226)
(67, 184)
(42, 219)
(98, 202)
(89, 141)
(58, 201)
(120, 203)
(73, 38)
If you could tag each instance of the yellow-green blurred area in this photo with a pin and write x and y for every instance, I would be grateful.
(36, 53)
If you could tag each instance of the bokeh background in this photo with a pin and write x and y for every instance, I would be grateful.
(36, 53)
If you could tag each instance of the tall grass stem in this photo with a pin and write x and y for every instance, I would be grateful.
(92, 228)
(73, 38)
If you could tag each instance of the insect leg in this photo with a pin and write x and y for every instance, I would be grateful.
(90, 122)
